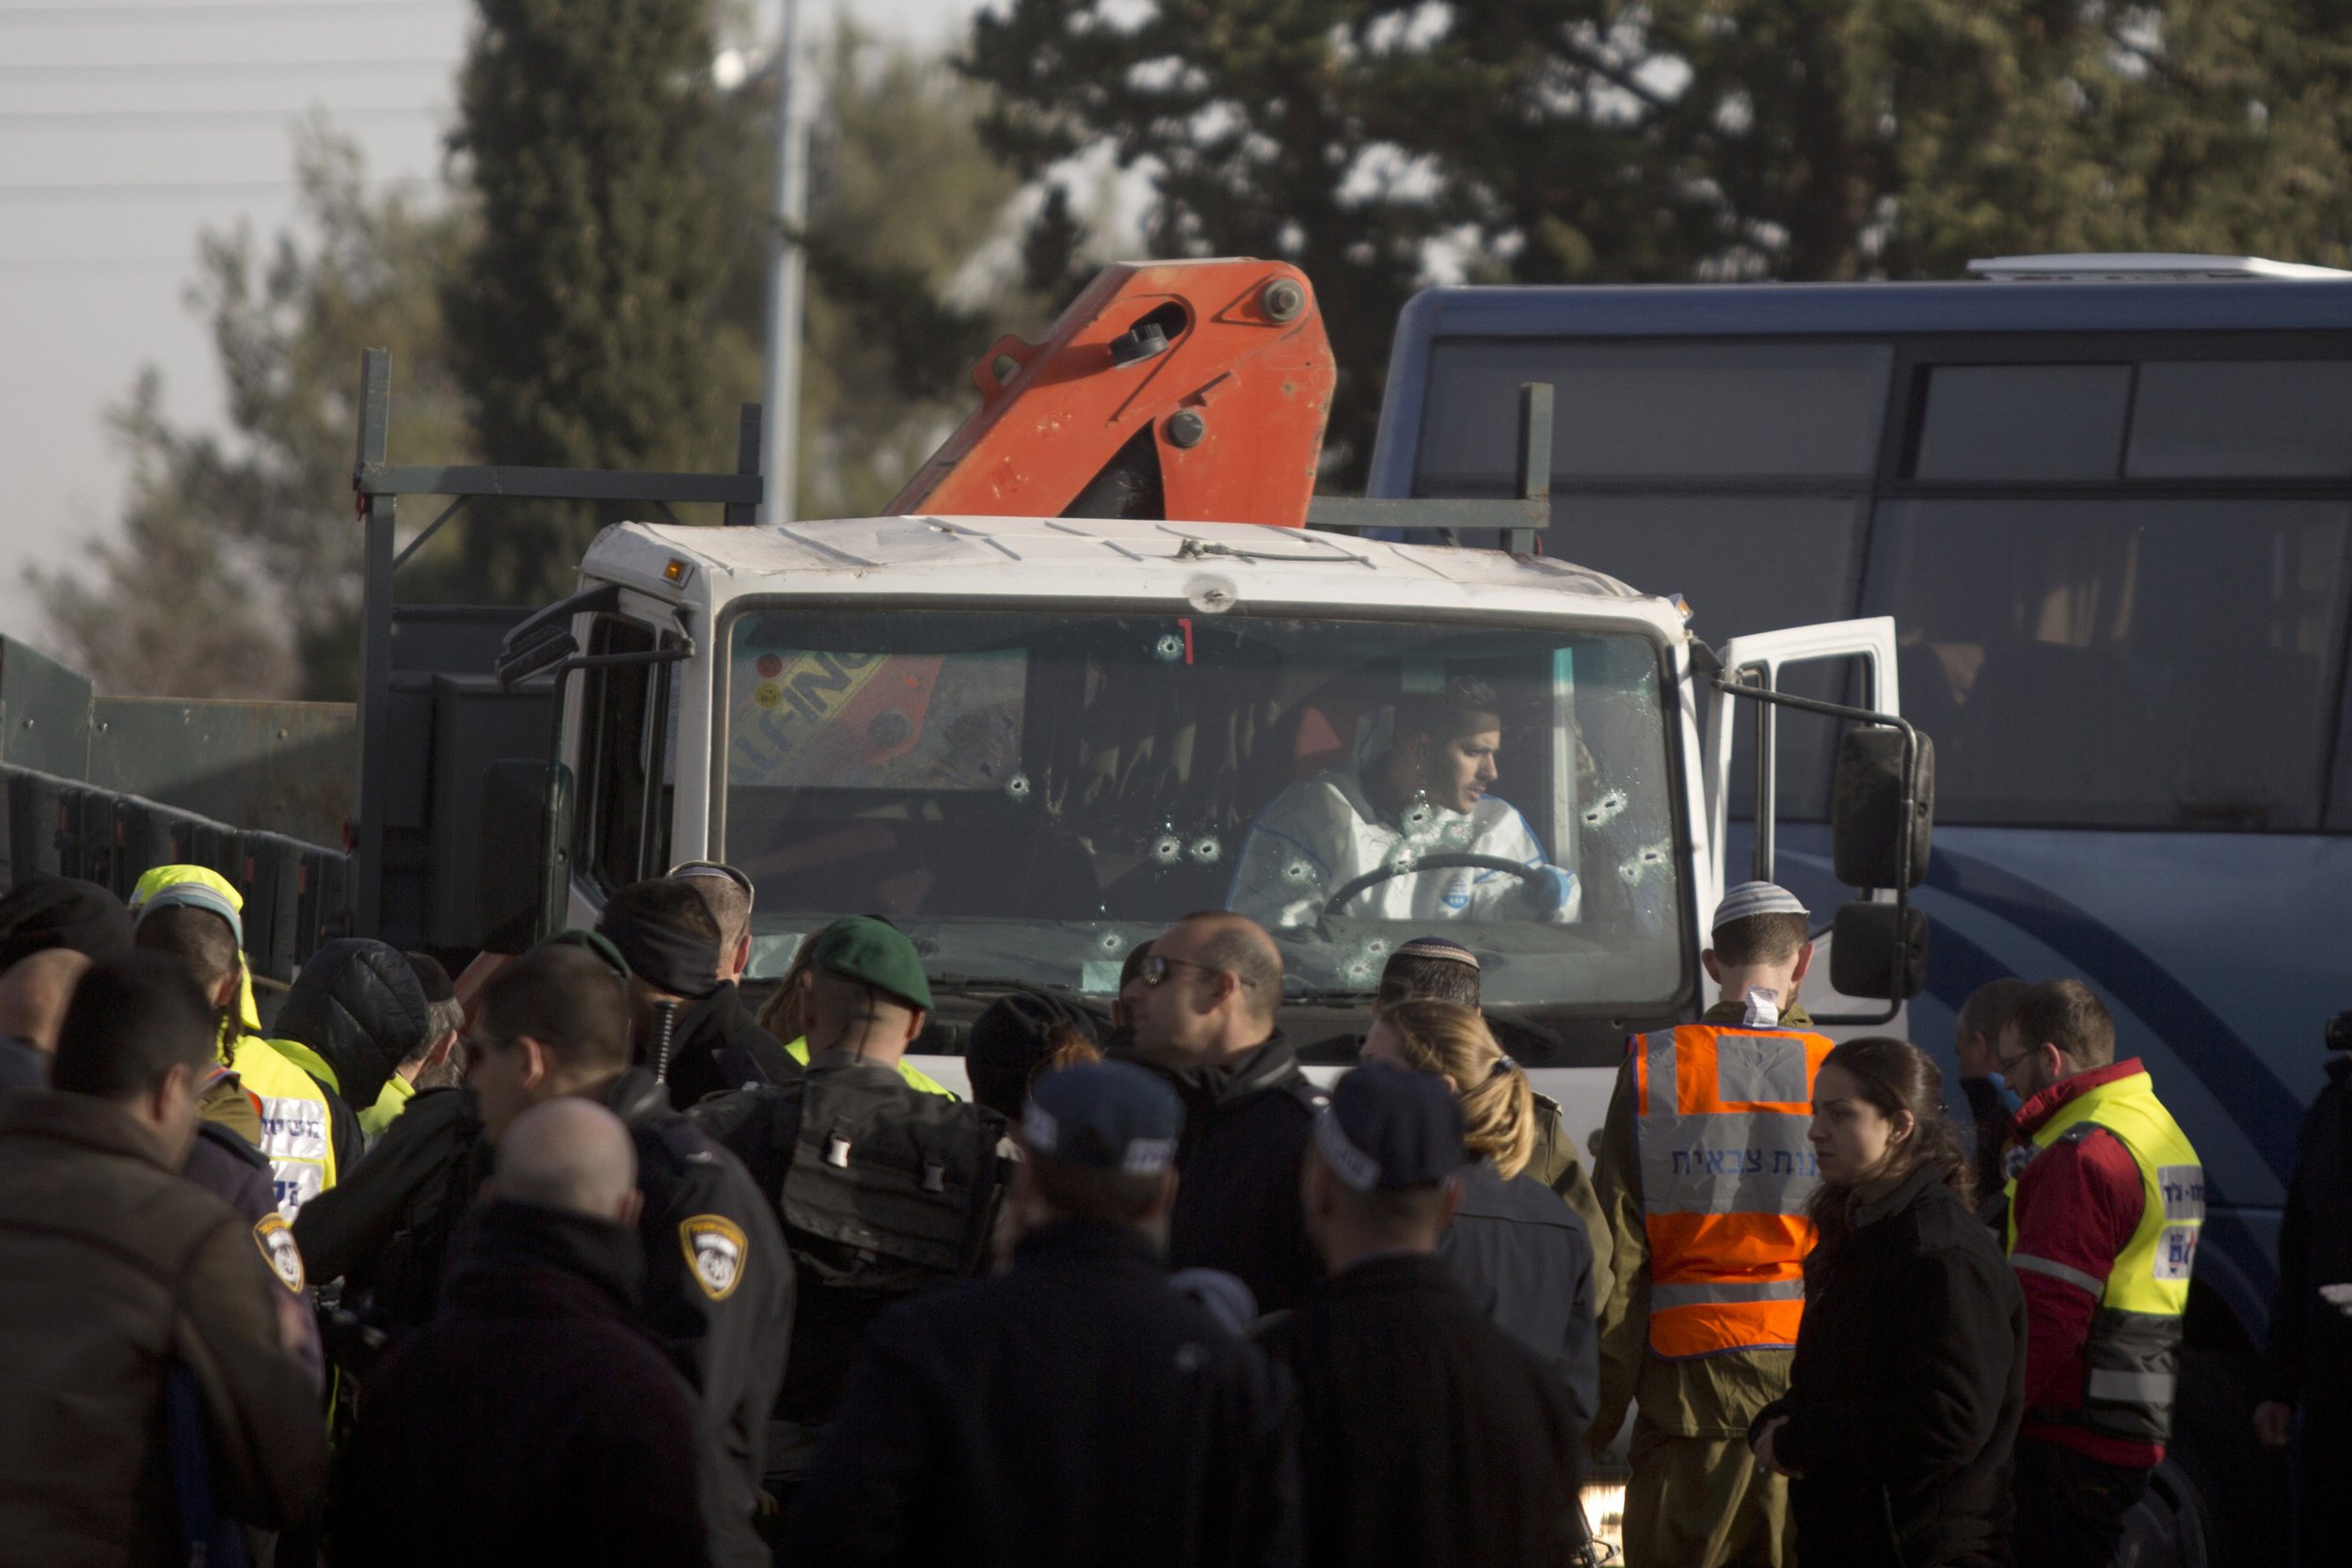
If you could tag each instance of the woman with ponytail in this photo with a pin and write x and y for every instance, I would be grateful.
(1908, 1386)
(1515, 1249)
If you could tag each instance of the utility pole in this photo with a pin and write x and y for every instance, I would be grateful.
(786, 276)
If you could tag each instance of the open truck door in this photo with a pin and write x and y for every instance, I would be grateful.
(1881, 797)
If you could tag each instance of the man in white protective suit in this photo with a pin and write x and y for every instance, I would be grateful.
(1429, 794)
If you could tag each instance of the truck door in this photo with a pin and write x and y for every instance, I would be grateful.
(1866, 651)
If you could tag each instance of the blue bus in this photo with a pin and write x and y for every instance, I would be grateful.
(2109, 510)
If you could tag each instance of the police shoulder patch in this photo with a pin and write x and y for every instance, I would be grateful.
(715, 1251)
(274, 1237)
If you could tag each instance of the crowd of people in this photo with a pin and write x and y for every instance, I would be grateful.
(577, 1259)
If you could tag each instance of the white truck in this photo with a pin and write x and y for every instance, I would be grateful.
(1034, 742)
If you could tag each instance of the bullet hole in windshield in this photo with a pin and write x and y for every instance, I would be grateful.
(1358, 971)
(1111, 943)
(1644, 863)
(1205, 849)
(1420, 815)
(1169, 649)
(1167, 849)
(1606, 809)
(1298, 873)
(1018, 787)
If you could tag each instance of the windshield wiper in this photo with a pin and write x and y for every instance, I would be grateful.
(974, 982)
(1332, 995)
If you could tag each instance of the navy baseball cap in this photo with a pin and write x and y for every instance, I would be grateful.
(1385, 1127)
(1106, 1115)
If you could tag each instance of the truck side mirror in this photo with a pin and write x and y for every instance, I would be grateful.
(520, 880)
(1870, 803)
(1878, 950)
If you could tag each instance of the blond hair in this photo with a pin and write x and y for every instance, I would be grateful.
(1498, 1107)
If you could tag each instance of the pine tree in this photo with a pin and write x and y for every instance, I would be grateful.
(585, 326)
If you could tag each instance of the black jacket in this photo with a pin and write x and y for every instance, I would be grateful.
(534, 1420)
(358, 1004)
(1237, 1207)
(2311, 1339)
(1075, 1411)
(384, 1228)
(759, 1127)
(388, 1233)
(719, 1045)
(1907, 1389)
(1428, 1436)
(1520, 1256)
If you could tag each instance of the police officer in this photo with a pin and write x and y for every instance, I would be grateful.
(1428, 1436)
(883, 1190)
(2107, 1197)
(691, 1026)
(718, 1286)
(1704, 1172)
(1078, 1410)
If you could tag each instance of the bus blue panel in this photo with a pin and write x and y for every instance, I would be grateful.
(2219, 953)
(1815, 310)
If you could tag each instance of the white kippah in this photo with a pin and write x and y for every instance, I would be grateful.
(1754, 899)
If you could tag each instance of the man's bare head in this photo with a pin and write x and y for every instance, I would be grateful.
(1219, 982)
(572, 1155)
(35, 993)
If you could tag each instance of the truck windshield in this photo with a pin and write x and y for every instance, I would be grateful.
(1029, 795)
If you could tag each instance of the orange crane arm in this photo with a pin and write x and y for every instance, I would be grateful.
(1197, 391)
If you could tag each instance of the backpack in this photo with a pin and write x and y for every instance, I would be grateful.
(885, 1191)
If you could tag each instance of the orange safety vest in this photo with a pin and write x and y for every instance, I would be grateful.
(1727, 1171)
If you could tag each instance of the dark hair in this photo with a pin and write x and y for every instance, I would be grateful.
(2068, 1015)
(1135, 956)
(1017, 1038)
(1893, 1075)
(201, 939)
(1989, 1007)
(132, 1021)
(1082, 1193)
(1760, 939)
(1442, 715)
(568, 1000)
(1414, 978)
(1237, 945)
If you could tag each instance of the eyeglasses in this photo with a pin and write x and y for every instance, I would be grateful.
(1153, 972)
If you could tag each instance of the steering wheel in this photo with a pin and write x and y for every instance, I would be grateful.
(1432, 862)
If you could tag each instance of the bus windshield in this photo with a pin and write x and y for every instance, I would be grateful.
(1030, 794)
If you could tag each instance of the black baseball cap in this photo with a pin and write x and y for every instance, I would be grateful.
(1385, 1127)
(1107, 1116)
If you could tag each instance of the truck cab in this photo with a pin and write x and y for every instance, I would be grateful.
(1033, 743)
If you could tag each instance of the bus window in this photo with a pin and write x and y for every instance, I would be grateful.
(2118, 663)
(1649, 410)
(2274, 419)
(1745, 563)
(1994, 422)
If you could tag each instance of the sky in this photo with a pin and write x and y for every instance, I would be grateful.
(129, 127)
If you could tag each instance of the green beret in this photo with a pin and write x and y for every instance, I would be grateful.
(873, 953)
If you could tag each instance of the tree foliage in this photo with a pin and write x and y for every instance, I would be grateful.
(585, 325)
(1379, 143)
(237, 569)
